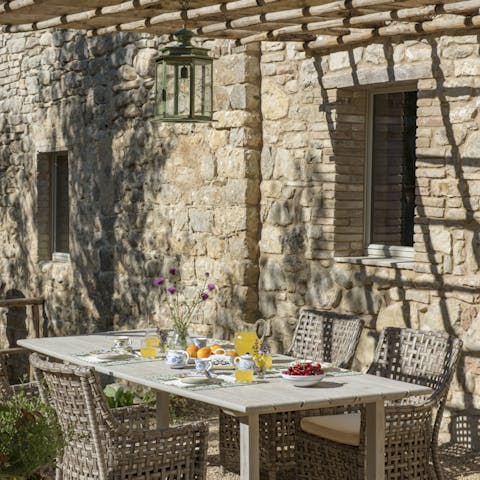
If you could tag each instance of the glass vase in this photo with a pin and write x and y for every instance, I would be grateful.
(180, 340)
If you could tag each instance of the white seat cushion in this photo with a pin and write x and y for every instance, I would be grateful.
(337, 428)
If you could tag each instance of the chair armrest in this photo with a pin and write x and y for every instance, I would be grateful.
(409, 412)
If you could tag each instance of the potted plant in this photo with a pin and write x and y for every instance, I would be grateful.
(30, 436)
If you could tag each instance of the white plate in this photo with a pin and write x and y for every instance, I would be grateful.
(303, 381)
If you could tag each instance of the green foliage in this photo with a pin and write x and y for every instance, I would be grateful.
(117, 396)
(149, 396)
(29, 435)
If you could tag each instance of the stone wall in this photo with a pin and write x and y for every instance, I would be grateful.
(144, 195)
(269, 197)
(312, 197)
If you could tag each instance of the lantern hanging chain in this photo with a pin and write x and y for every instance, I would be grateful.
(184, 8)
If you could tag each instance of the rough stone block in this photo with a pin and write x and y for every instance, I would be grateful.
(275, 101)
(144, 63)
(200, 220)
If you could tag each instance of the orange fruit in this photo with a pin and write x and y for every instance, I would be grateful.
(215, 347)
(204, 352)
(232, 353)
(192, 351)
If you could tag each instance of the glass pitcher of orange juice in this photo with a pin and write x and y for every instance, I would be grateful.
(245, 342)
(150, 345)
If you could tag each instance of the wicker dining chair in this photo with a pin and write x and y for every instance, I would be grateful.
(121, 443)
(6, 390)
(331, 447)
(319, 335)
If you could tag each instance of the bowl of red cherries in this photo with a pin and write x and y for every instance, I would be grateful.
(303, 373)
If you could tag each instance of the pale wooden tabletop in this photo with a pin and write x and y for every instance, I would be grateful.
(273, 395)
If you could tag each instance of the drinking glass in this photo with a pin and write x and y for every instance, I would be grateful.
(150, 345)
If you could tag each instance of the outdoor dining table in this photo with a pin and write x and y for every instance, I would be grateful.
(247, 401)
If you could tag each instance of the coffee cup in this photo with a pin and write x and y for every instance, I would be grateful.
(203, 365)
(177, 358)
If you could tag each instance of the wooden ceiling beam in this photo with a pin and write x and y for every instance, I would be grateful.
(412, 29)
(131, 5)
(65, 20)
(294, 15)
(6, 7)
(362, 21)
(192, 14)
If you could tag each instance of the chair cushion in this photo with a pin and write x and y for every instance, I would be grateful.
(343, 428)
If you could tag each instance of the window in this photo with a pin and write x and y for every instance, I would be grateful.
(53, 206)
(390, 205)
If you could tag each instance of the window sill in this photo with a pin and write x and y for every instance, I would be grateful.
(60, 257)
(393, 262)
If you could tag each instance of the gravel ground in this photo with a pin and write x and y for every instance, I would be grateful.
(458, 463)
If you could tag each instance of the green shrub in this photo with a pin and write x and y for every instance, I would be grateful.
(118, 396)
(30, 436)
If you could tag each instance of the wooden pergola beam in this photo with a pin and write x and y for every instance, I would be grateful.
(364, 21)
(297, 15)
(65, 20)
(346, 22)
(192, 14)
(414, 29)
(125, 7)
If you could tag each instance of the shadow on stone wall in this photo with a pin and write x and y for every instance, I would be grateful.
(115, 160)
(450, 284)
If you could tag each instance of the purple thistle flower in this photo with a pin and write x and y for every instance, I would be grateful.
(204, 296)
(172, 271)
(211, 286)
(171, 290)
(159, 281)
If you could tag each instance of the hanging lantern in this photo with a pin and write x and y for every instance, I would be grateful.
(184, 82)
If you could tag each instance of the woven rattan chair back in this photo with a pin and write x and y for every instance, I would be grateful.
(419, 357)
(82, 413)
(423, 358)
(326, 336)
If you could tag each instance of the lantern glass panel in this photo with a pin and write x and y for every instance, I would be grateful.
(168, 99)
(203, 90)
(183, 75)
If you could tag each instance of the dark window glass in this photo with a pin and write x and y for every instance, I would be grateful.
(393, 168)
(62, 214)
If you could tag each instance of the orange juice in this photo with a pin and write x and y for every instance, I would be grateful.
(152, 341)
(147, 351)
(244, 342)
(244, 375)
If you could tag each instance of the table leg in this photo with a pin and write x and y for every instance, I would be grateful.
(249, 448)
(375, 437)
(162, 409)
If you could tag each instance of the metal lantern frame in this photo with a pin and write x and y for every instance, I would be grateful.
(180, 56)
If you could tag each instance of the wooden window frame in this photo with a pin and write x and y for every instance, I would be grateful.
(379, 250)
(52, 156)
